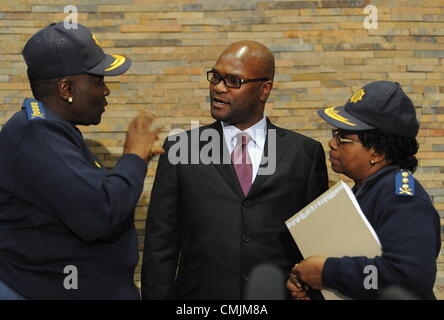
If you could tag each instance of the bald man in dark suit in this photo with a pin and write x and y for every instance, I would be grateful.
(210, 224)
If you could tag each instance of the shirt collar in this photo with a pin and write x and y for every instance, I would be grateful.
(257, 132)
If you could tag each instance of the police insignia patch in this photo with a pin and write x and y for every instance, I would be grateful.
(404, 184)
(357, 96)
(34, 109)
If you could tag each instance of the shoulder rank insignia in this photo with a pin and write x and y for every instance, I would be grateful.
(404, 184)
(34, 109)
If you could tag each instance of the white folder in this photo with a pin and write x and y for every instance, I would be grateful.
(333, 225)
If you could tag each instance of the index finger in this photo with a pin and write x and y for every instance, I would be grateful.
(294, 269)
(145, 118)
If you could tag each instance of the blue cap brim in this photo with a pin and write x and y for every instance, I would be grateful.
(341, 119)
(112, 65)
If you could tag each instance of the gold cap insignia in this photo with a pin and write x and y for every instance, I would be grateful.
(95, 40)
(333, 113)
(357, 96)
(118, 61)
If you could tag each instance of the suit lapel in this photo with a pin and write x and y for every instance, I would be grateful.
(225, 168)
(281, 148)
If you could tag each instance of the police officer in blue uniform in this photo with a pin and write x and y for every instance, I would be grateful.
(66, 222)
(374, 144)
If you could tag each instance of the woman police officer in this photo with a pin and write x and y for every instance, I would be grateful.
(374, 144)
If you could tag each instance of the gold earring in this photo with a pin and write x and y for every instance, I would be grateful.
(70, 99)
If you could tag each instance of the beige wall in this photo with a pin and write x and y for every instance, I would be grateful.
(323, 54)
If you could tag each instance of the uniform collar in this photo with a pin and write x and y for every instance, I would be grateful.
(358, 190)
(48, 114)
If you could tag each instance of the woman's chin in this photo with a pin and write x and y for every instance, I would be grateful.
(336, 168)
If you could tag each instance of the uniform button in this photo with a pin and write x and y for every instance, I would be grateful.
(245, 238)
(245, 203)
(245, 277)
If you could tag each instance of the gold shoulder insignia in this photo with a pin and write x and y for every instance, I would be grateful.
(404, 184)
(34, 109)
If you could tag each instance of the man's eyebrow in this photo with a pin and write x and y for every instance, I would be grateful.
(227, 75)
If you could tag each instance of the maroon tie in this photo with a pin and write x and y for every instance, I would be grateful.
(242, 162)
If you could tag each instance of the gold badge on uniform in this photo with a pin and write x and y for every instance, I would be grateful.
(404, 184)
(34, 109)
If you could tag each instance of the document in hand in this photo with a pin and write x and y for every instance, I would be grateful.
(333, 225)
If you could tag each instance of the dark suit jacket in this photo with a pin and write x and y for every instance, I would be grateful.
(200, 221)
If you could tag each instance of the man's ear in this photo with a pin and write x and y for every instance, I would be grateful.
(265, 91)
(65, 88)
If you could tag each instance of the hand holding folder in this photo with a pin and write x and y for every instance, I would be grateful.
(333, 225)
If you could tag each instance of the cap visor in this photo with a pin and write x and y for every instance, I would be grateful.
(112, 65)
(341, 119)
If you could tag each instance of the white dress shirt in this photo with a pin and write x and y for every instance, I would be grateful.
(255, 146)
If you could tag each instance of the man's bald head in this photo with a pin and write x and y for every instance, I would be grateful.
(251, 65)
(254, 54)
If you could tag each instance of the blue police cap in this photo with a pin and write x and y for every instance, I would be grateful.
(56, 51)
(379, 105)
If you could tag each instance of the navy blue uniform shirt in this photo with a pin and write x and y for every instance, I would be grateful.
(408, 228)
(60, 207)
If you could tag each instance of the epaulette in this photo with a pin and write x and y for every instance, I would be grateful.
(404, 184)
(34, 109)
